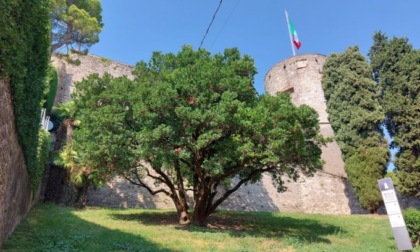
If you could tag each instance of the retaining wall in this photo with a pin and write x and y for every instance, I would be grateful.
(15, 188)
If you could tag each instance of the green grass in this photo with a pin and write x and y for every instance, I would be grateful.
(53, 228)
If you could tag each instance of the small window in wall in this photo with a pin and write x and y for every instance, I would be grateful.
(301, 64)
(290, 90)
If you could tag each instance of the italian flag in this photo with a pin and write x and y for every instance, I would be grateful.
(294, 35)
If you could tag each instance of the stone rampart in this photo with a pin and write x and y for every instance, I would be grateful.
(70, 72)
(15, 188)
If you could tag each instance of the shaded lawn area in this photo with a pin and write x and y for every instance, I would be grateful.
(52, 228)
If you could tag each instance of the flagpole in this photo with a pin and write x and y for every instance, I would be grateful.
(290, 34)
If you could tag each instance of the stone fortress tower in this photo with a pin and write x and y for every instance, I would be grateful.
(328, 191)
(300, 76)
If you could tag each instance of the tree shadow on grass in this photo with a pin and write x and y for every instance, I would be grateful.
(241, 224)
(65, 231)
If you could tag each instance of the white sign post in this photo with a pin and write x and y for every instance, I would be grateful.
(395, 216)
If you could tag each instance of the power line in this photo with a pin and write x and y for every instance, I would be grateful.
(227, 20)
(208, 28)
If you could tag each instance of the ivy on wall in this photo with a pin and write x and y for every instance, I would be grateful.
(50, 89)
(24, 57)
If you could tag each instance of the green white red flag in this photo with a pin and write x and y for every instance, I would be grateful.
(294, 35)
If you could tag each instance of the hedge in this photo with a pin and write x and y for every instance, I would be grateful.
(412, 220)
(24, 57)
(50, 89)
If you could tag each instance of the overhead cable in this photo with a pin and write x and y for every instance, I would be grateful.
(227, 20)
(208, 28)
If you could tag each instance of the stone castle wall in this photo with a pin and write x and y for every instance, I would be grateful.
(71, 73)
(15, 188)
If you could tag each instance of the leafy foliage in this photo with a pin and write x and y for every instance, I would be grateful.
(396, 66)
(50, 88)
(42, 158)
(78, 175)
(412, 220)
(193, 121)
(75, 22)
(356, 116)
(24, 57)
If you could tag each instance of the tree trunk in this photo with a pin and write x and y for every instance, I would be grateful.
(69, 134)
(182, 209)
(82, 193)
(184, 217)
(200, 218)
(200, 214)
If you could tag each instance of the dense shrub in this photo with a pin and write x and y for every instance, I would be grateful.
(24, 57)
(43, 152)
(412, 220)
(50, 89)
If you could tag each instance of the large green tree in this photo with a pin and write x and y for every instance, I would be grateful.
(396, 66)
(356, 117)
(75, 23)
(193, 122)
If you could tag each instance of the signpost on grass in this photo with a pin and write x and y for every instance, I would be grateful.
(395, 216)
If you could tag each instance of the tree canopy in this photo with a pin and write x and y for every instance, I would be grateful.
(396, 66)
(75, 23)
(356, 117)
(193, 122)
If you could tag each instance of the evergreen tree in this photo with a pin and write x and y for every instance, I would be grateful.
(193, 122)
(397, 67)
(75, 23)
(356, 116)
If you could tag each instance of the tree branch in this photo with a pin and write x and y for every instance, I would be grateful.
(142, 184)
(154, 177)
(235, 188)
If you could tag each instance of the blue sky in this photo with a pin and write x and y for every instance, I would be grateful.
(135, 28)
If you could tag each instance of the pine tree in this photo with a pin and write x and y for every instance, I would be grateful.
(75, 23)
(356, 116)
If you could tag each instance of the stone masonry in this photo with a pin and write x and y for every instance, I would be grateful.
(300, 76)
(71, 73)
(15, 188)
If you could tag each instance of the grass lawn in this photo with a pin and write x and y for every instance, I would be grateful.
(52, 228)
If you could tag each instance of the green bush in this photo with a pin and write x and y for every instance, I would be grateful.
(43, 152)
(50, 89)
(24, 57)
(412, 220)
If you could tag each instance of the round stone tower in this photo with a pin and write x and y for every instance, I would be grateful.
(301, 76)
(328, 191)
